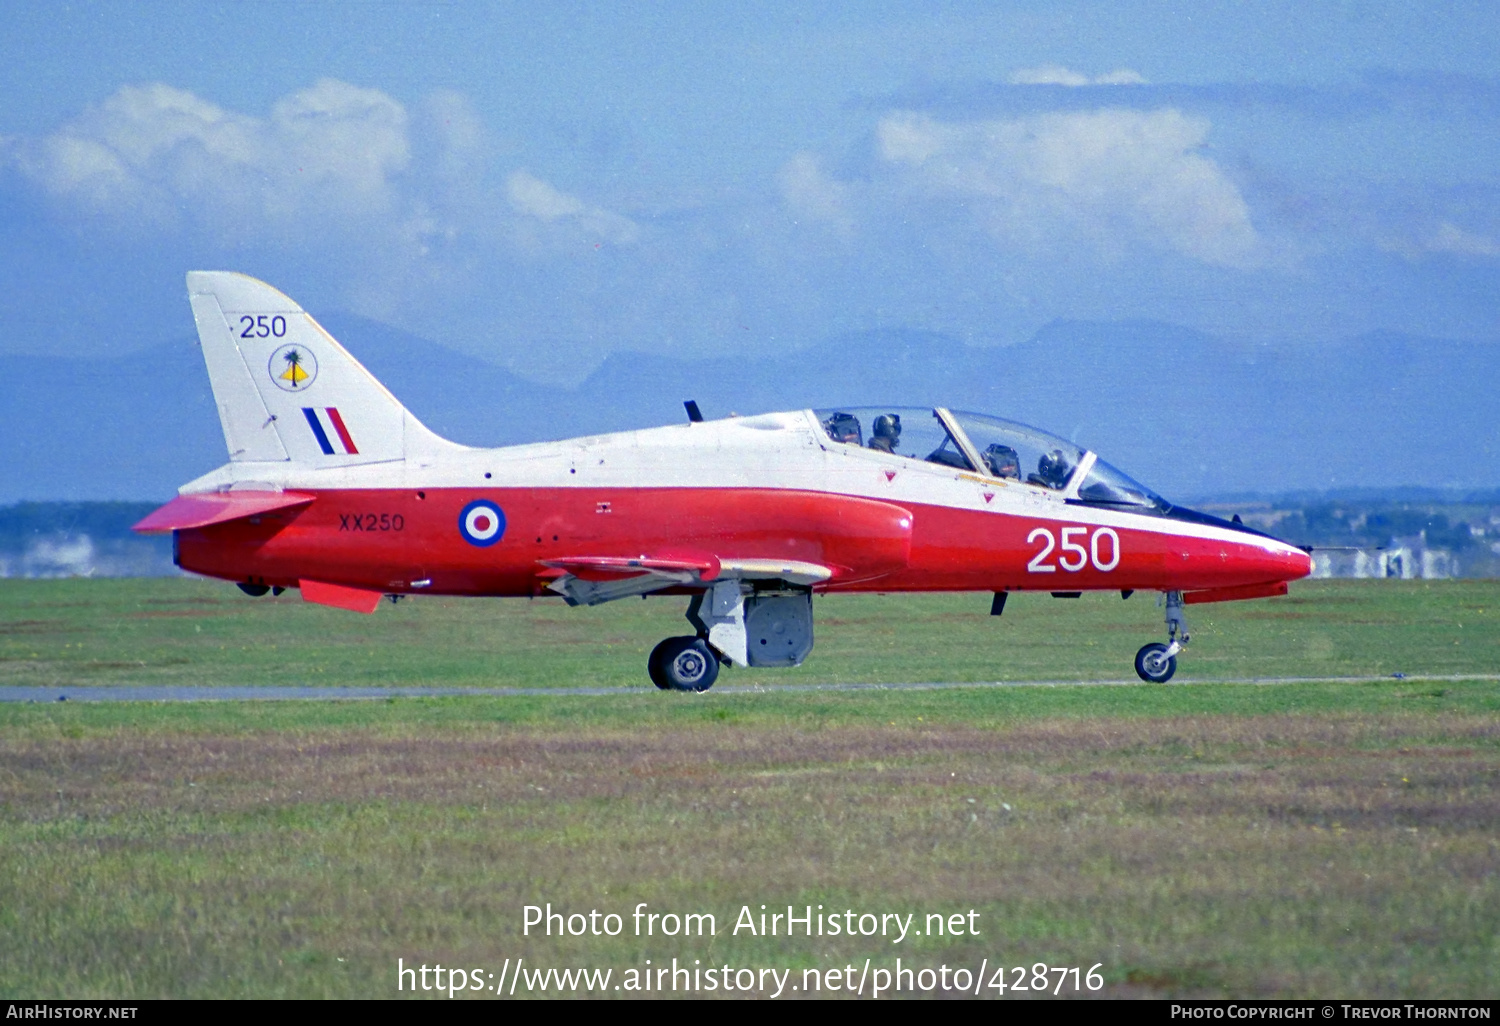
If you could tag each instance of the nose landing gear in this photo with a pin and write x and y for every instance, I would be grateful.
(1156, 663)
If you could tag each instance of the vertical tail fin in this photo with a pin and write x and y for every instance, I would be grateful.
(285, 389)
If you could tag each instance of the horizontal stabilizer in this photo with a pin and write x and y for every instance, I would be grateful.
(188, 511)
(356, 600)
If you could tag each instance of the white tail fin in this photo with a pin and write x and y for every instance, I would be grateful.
(286, 390)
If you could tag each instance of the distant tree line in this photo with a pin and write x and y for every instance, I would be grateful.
(1464, 524)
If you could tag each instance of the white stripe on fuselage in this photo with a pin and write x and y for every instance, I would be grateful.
(771, 451)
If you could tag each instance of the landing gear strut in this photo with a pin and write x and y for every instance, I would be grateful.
(1155, 663)
(738, 625)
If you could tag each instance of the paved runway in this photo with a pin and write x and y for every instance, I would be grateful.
(149, 693)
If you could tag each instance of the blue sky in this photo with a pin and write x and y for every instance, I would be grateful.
(542, 185)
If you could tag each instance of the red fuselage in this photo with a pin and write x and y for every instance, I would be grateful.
(398, 541)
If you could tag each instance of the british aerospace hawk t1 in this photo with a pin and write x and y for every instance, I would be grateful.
(333, 487)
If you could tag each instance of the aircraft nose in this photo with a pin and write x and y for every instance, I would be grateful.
(1277, 561)
(1292, 563)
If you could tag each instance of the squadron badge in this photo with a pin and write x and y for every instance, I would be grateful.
(293, 368)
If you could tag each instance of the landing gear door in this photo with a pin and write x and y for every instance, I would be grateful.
(778, 629)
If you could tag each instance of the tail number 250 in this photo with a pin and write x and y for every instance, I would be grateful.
(1103, 550)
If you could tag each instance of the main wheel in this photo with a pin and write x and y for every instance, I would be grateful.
(684, 664)
(1153, 665)
(659, 655)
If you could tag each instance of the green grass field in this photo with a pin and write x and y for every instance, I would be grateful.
(1306, 839)
(76, 633)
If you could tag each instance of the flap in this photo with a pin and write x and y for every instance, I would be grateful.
(205, 508)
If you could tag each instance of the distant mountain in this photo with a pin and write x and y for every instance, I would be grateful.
(124, 428)
(1187, 413)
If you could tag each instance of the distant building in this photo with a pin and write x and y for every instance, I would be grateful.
(1404, 559)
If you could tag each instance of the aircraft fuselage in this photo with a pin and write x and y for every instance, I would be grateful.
(761, 487)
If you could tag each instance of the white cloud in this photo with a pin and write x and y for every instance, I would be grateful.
(332, 169)
(1056, 74)
(1418, 239)
(533, 197)
(458, 133)
(530, 195)
(1118, 177)
(1450, 238)
(153, 152)
(813, 195)
(1120, 76)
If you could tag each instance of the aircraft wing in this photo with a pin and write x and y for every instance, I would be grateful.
(590, 580)
(187, 511)
(611, 568)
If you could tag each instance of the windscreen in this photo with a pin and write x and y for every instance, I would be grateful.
(1022, 453)
(1109, 487)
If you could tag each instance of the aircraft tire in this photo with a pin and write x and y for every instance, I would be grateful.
(654, 663)
(1151, 667)
(687, 664)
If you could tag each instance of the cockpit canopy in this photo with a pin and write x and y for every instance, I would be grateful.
(991, 447)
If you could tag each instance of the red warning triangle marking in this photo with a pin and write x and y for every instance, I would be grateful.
(890, 475)
(988, 496)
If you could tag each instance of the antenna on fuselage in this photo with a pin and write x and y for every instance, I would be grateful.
(694, 415)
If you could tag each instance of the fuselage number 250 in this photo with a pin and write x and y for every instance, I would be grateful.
(1102, 550)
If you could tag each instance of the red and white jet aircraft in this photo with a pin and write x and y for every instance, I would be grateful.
(333, 487)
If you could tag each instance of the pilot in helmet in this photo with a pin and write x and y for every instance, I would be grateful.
(1052, 469)
(1003, 461)
(843, 427)
(886, 432)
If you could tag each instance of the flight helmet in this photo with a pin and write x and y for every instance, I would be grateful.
(844, 427)
(1053, 468)
(1003, 461)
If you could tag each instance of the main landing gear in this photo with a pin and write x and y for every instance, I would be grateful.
(1155, 663)
(738, 623)
(683, 664)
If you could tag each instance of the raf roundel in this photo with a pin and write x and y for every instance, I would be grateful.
(481, 523)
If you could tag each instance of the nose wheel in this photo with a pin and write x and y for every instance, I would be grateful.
(683, 664)
(1156, 663)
